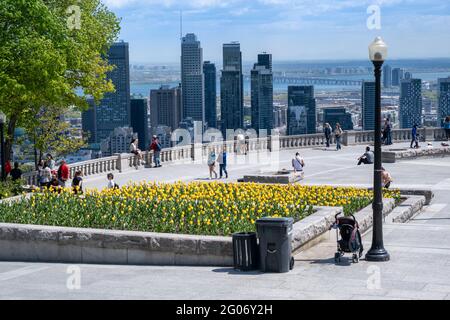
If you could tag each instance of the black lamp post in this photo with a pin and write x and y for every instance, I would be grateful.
(378, 54)
(2, 145)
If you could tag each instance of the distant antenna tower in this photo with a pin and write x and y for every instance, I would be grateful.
(181, 25)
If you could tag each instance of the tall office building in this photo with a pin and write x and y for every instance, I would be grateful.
(192, 78)
(265, 59)
(232, 88)
(262, 94)
(368, 105)
(113, 111)
(387, 76)
(118, 141)
(398, 75)
(165, 107)
(301, 114)
(139, 121)
(444, 99)
(209, 69)
(338, 115)
(408, 76)
(410, 112)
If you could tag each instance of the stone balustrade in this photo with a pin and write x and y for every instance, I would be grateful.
(199, 152)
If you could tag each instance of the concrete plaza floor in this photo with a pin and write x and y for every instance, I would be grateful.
(420, 249)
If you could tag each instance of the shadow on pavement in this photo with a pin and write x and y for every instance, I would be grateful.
(234, 272)
(345, 262)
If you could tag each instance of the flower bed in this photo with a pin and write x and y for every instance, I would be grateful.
(194, 208)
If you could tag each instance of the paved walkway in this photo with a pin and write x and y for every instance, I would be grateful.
(419, 266)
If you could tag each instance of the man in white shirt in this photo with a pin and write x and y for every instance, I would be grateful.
(298, 163)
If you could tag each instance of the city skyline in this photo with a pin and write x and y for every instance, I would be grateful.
(290, 30)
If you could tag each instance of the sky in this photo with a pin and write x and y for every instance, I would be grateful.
(289, 29)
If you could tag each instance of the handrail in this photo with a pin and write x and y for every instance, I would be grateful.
(122, 162)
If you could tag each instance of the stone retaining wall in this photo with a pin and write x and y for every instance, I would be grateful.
(392, 156)
(32, 243)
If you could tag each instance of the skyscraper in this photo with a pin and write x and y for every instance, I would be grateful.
(165, 107)
(232, 88)
(398, 75)
(139, 121)
(301, 114)
(408, 76)
(209, 69)
(444, 99)
(338, 115)
(387, 76)
(410, 112)
(262, 94)
(368, 105)
(192, 78)
(265, 59)
(113, 111)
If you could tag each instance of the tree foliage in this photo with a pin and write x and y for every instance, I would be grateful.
(45, 62)
(54, 135)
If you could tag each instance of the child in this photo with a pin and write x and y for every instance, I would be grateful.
(77, 183)
(111, 183)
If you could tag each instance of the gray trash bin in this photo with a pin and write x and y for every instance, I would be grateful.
(275, 249)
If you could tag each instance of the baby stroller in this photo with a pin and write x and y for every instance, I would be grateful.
(350, 242)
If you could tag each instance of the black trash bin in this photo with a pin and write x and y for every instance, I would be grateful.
(275, 248)
(245, 251)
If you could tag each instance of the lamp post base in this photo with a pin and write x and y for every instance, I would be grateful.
(377, 255)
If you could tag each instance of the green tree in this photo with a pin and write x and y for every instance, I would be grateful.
(45, 60)
(54, 135)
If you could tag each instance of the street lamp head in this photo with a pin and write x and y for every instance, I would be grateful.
(2, 118)
(378, 50)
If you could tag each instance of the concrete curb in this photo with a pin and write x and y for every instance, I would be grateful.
(408, 209)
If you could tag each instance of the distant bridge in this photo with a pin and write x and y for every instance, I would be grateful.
(314, 81)
(317, 81)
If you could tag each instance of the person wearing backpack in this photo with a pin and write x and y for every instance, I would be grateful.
(298, 163)
(156, 148)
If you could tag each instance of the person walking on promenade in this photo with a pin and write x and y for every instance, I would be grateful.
(387, 133)
(222, 160)
(328, 131)
(298, 163)
(386, 178)
(77, 183)
(367, 158)
(414, 138)
(447, 127)
(16, 173)
(212, 164)
(156, 148)
(63, 173)
(338, 133)
(45, 176)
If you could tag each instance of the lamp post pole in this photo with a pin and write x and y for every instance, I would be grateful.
(2, 143)
(378, 52)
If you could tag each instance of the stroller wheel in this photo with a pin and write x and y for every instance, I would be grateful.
(355, 258)
(291, 263)
(337, 257)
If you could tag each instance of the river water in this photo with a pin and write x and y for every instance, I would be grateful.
(280, 88)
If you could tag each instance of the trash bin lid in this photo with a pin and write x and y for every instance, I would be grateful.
(275, 222)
